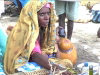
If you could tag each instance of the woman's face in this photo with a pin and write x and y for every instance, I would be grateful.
(44, 16)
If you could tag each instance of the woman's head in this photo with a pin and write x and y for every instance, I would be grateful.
(44, 15)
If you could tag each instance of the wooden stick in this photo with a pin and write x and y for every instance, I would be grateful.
(54, 70)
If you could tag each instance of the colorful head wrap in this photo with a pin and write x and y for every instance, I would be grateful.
(47, 5)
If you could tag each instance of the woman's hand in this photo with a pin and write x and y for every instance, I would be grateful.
(67, 73)
(56, 69)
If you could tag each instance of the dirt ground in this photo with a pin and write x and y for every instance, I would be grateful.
(84, 37)
(87, 43)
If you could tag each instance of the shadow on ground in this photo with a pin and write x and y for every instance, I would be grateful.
(85, 56)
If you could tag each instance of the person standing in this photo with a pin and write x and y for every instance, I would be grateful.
(67, 8)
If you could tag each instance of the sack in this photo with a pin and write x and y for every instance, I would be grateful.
(96, 16)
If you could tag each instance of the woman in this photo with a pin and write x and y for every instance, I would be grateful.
(32, 38)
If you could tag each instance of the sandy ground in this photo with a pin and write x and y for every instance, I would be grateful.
(86, 41)
(84, 37)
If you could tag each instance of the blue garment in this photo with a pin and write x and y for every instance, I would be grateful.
(23, 2)
(29, 67)
(3, 40)
(96, 16)
(50, 0)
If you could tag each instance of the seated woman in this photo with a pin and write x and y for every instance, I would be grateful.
(33, 38)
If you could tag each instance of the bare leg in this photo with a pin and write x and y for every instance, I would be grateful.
(98, 33)
(62, 25)
(62, 20)
(70, 25)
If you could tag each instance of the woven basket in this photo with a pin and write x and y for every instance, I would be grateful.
(44, 72)
(40, 72)
(37, 72)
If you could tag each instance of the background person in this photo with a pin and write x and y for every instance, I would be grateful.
(69, 9)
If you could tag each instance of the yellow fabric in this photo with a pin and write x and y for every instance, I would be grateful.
(22, 39)
(92, 2)
(64, 62)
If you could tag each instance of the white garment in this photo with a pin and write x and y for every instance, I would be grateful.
(96, 7)
(1, 7)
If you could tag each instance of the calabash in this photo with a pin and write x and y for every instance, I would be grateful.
(70, 50)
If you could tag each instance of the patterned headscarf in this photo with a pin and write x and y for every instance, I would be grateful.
(22, 39)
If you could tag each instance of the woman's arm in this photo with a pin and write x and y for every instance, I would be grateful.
(40, 59)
